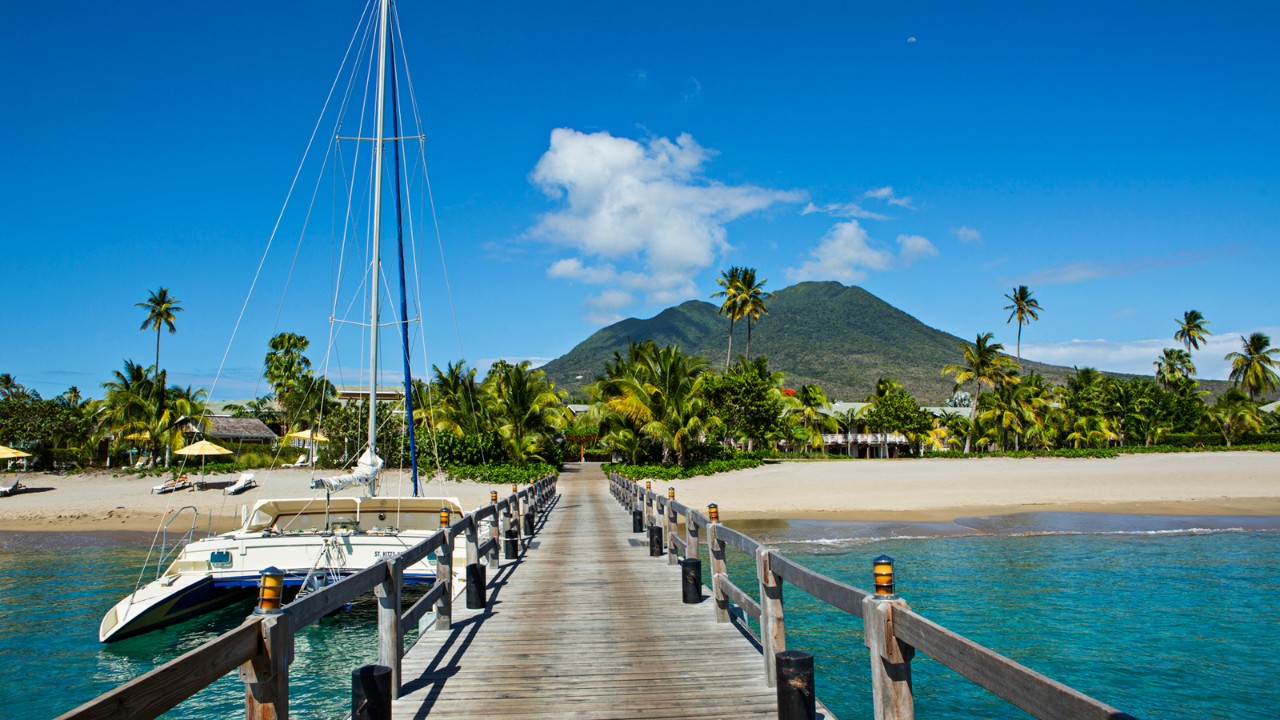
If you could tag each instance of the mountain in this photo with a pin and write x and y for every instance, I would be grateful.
(842, 338)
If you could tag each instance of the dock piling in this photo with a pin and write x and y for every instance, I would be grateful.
(796, 697)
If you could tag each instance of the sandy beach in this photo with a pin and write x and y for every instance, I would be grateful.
(102, 501)
(1237, 483)
(939, 490)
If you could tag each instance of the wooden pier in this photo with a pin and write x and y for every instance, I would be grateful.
(584, 618)
(586, 625)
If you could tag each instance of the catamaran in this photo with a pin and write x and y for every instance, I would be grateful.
(317, 540)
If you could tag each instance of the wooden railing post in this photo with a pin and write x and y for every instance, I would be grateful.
(891, 690)
(266, 674)
(495, 530)
(773, 626)
(690, 536)
(444, 574)
(517, 520)
(719, 571)
(473, 541)
(390, 635)
(672, 555)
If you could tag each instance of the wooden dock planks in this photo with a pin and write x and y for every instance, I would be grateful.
(585, 625)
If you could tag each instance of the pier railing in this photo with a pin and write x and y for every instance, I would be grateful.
(892, 631)
(262, 647)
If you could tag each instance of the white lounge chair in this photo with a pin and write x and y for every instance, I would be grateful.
(242, 483)
(179, 483)
(302, 461)
(9, 486)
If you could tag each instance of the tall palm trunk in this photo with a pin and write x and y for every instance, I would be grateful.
(157, 351)
(729, 355)
(748, 338)
(973, 419)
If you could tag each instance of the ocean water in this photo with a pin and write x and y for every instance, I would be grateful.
(1161, 617)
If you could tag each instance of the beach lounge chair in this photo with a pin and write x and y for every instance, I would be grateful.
(301, 462)
(179, 483)
(142, 462)
(9, 486)
(242, 483)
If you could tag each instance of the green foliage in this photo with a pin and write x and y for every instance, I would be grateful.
(501, 474)
(677, 472)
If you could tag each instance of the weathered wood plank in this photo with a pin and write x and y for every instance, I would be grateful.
(582, 626)
(733, 538)
(318, 604)
(832, 592)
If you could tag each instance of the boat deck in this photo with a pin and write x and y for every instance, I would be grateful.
(586, 625)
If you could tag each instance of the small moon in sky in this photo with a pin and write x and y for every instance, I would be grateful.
(911, 39)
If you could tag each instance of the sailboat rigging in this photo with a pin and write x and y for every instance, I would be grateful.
(313, 540)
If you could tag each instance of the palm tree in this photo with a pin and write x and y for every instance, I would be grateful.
(11, 388)
(1173, 368)
(731, 283)
(1025, 308)
(1191, 330)
(809, 412)
(526, 408)
(984, 365)
(1254, 367)
(752, 297)
(162, 309)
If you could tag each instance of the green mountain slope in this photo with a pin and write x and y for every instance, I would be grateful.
(842, 338)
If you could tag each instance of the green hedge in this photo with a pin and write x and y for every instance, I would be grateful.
(501, 474)
(678, 472)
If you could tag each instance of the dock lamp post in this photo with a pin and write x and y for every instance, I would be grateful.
(444, 517)
(882, 571)
(671, 493)
(713, 513)
(270, 591)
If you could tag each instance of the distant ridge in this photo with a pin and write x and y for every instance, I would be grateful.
(840, 337)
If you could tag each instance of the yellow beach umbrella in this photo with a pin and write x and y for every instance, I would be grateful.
(310, 435)
(8, 453)
(202, 448)
(144, 435)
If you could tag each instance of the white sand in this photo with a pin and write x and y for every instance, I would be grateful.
(1211, 483)
(99, 501)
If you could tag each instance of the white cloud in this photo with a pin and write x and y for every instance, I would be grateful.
(601, 318)
(843, 210)
(642, 206)
(573, 269)
(611, 299)
(886, 194)
(1137, 356)
(911, 39)
(914, 247)
(845, 253)
(966, 234)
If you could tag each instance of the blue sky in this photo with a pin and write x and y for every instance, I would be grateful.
(596, 161)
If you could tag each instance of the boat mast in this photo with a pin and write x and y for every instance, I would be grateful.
(379, 140)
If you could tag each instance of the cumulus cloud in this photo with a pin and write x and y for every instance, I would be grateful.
(966, 234)
(850, 209)
(640, 214)
(845, 253)
(611, 299)
(914, 247)
(848, 253)
(886, 194)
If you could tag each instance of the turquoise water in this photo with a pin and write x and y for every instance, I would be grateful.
(1162, 622)
(1159, 622)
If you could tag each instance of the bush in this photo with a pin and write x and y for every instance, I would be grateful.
(501, 474)
(678, 472)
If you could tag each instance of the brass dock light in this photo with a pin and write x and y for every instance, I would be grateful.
(671, 493)
(882, 569)
(493, 496)
(648, 485)
(270, 591)
(515, 489)
(444, 517)
(713, 512)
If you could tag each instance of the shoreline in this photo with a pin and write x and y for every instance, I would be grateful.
(918, 491)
